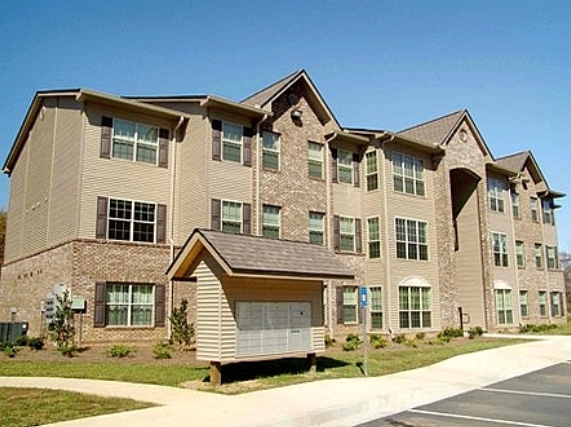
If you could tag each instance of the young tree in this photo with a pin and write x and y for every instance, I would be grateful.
(182, 332)
(62, 329)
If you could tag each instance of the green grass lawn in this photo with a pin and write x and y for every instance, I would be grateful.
(551, 329)
(22, 407)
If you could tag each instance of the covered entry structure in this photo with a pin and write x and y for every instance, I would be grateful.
(256, 297)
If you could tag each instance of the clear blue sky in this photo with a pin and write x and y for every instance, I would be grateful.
(382, 64)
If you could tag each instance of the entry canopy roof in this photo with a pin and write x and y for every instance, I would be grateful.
(241, 255)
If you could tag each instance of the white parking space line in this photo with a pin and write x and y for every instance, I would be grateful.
(468, 417)
(527, 393)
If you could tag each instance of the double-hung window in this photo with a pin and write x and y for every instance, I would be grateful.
(411, 239)
(376, 293)
(131, 221)
(542, 303)
(317, 228)
(538, 255)
(129, 305)
(414, 307)
(551, 256)
(556, 304)
(515, 204)
(271, 222)
(547, 212)
(496, 189)
(135, 141)
(271, 151)
(500, 249)
(315, 159)
(408, 174)
(345, 166)
(346, 234)
(374, 237)
(519, 254)
(372, 170)
(534, 209)
(232, 142)
(232, 217)
(350, 304)
(504, 310)
(523, 304)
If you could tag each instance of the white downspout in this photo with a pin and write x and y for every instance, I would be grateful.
(172, 218)
(257, 171)
(386, 226)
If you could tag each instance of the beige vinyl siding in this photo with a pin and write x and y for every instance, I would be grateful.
(191, 198)
(63, 214)
(209, 318)
(230, 181)
(117, 178)
(16, 208)
(40, 152)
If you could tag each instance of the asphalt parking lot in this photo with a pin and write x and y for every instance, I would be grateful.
(538, 399)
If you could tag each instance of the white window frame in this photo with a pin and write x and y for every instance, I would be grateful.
(315, 160)
(520, 253)
(551, 261)
(423, 311)
(376, 310)
(538, 253)
(515, 205)
(372, 170)
(132, 221)
(408, 180)
(347, 232)
(272, 149)
(269, 222)
(408, 240)
(129, 304)
(344, 166)
(523, 303)
(548, 217)
(374, 240)
(318, 216)
(555, 298)
(504, 306)
(496, 194)
(534, 208)
(231, 220)
(228, 142)
(135, 141)
(350, 301)
(543, 307)
(500, 249)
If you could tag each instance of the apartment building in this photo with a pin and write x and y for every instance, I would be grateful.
(105, 190)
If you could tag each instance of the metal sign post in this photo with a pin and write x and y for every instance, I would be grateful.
(363, 294)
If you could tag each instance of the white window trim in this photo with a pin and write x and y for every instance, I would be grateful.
(135, 142)
(354, 303)
(130, 304)
(423, 287)
(341, 234)
(374, 309)
(503, 249)
(545, 302)
(231, 142)
(496, 193)
(369, 173)
(403, 176)
(272, 150)
(407, 242)
(518, 254)
(266, 224)
(369, 241)
(538, 250)
(322, 230)
(241, 213)
(534, 209)
(344, 167)
(131, 220)
(315, 160)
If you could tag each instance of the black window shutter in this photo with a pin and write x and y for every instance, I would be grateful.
(334, 165)
(358, 236)
(356, 174)
(99, 305)
(248, 133)
(161, 223)
(247, 219)
(216, 140)
(336, 235)
(160, 305)
(164, 148)
(339, 301)
(106, 132)
(215, 215)
(101, 226)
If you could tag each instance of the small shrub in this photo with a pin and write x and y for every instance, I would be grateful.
(120, 351)
(352, 342)
(474, 332)
(438, 341)
(420, 336)
(70, 350)
(9, 350)
(35, 343)
(329, 341)
(378, 341)
(451, 332)
(399, 339)
(410, 342)
(21, 341)
(162, 350)
(531, 328)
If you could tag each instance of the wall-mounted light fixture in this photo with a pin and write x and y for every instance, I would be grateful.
(296, 114)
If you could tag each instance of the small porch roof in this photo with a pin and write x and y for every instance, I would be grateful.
(251, 256)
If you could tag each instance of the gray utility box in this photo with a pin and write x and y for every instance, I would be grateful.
(9, 331)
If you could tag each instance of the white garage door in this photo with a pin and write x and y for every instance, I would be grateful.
(273, 327)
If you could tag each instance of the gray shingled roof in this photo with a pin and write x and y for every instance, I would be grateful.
(435, 131)
(514, 162)
(264, 95)
(249, 254)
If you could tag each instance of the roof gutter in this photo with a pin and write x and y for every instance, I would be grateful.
(216, 102)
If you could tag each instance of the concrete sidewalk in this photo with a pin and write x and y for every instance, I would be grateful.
(327, 403)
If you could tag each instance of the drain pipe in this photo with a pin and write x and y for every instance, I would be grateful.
(257, 171)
